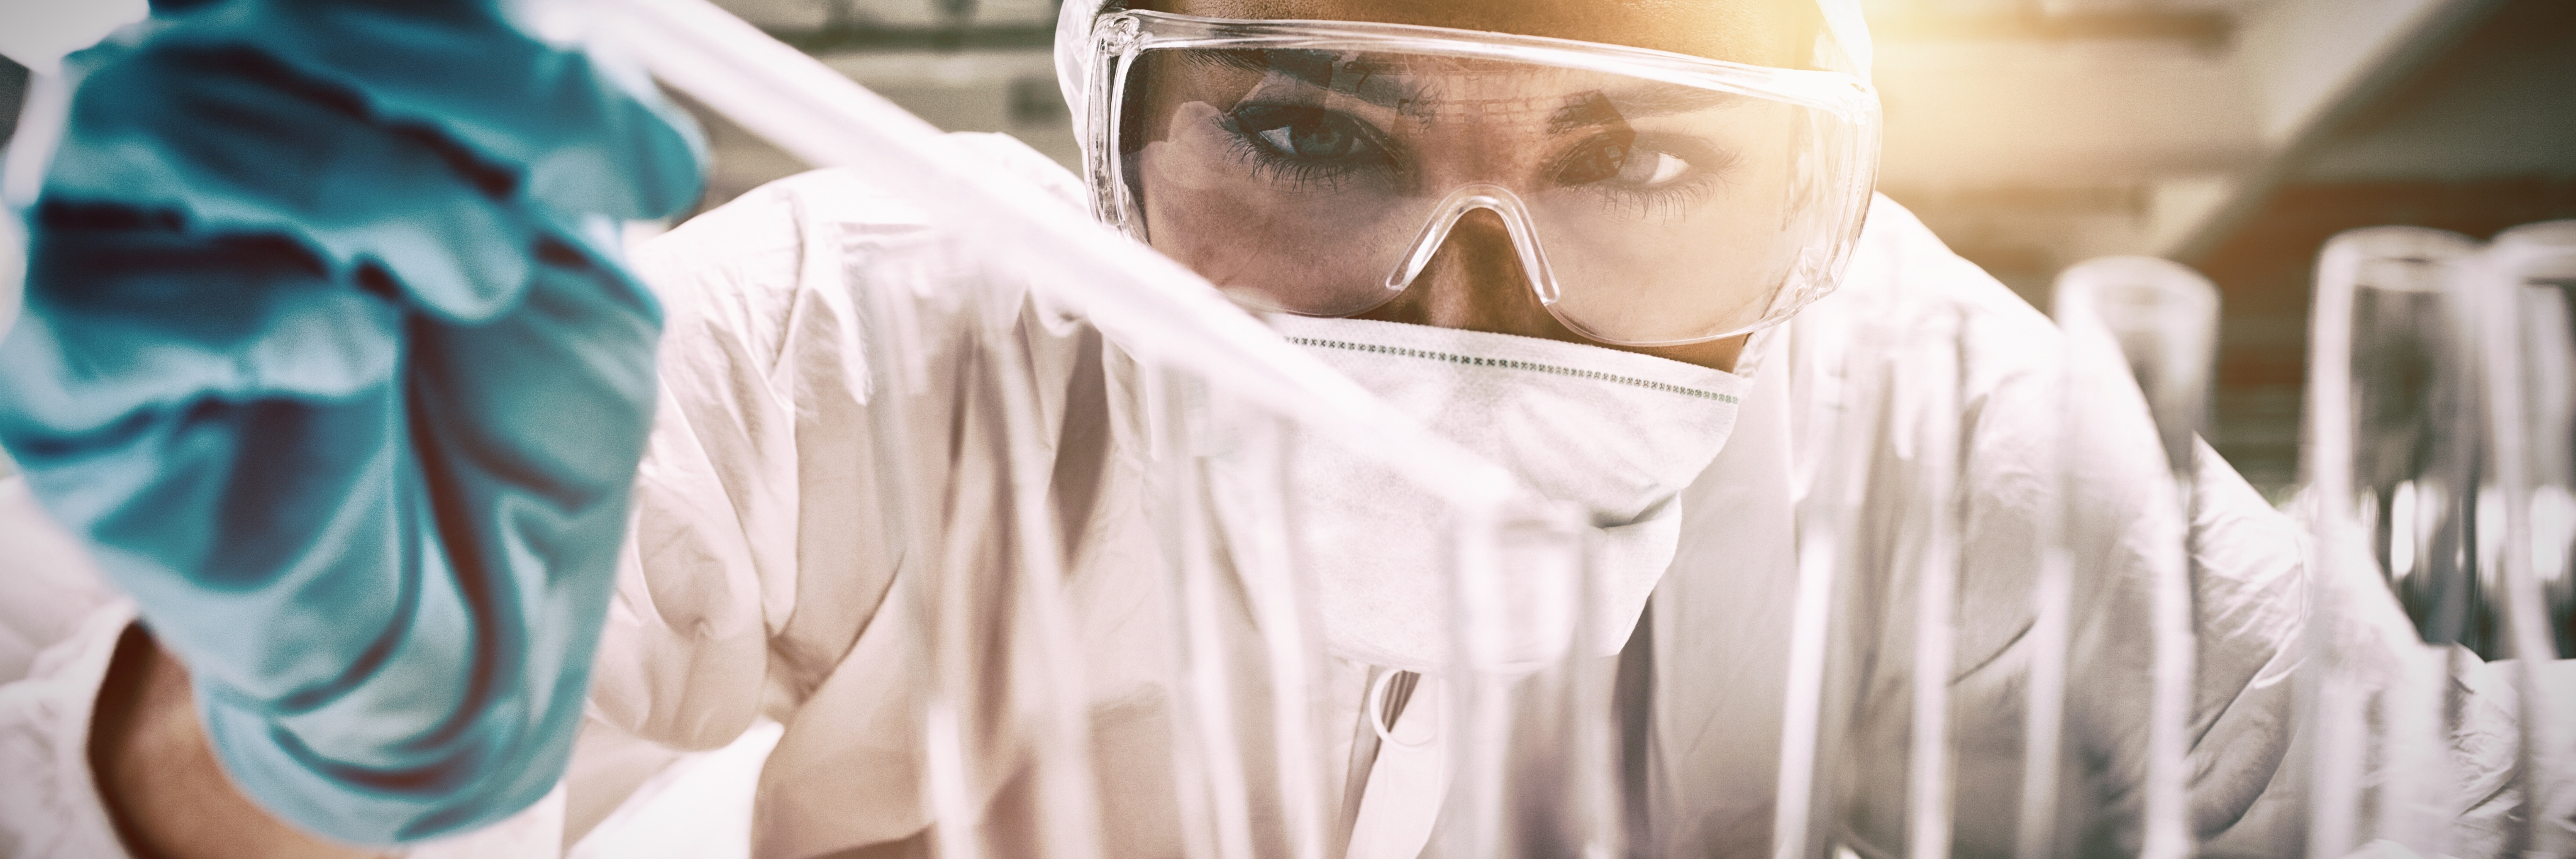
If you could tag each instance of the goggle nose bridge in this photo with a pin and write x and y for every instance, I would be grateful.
(1517, 224)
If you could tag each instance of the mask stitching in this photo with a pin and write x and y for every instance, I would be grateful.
(1509, 364)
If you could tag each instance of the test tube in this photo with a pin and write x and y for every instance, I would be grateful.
(1210, 770)
(2524, 312)
(1932, 352)
(2382, 342)
(1879, 552)
(897, 350)
(2416, 440)
(1829, 627)
(2163, 318)
(1250, 678)
(1151, 309)
(1045, 666)
(2037, 834)
(1262, 522)
(1533, 742)
(1005, 756)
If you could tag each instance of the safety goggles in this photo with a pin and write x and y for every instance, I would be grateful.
(1319, 167)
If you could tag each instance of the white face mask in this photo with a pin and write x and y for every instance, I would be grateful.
(1617, 433)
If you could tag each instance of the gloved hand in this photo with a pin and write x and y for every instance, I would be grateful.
(326, 351)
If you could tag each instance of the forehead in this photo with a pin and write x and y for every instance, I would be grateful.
(1760, 32)
(1453, 89)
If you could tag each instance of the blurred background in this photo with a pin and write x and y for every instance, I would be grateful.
(2234, 136)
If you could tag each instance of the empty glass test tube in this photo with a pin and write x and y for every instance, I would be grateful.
(2391, 497)
(2528, 330)
(2163, 318)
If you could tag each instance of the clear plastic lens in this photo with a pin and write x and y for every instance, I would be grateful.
(1325, 178)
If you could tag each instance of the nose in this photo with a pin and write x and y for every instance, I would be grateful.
(1475, 282)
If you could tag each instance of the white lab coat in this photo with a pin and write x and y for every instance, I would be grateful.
(760, 584)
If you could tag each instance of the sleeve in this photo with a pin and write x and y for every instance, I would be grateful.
(2254, 590)
(757, 555)
(47, 581)
(2454, 774)
(322, 357)
(2253, 775)
(58, 625)
(49, 804)
(2452, 769)
(685, 652)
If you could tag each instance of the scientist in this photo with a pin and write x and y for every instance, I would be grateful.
(1590, 241)
(1627, 249)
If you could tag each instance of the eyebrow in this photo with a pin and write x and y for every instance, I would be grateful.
(1663, 99)
(1314, 68)
(1640, 100)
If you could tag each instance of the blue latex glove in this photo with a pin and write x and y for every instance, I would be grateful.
(326, 351)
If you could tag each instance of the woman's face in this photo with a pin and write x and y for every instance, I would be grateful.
(1475, 281)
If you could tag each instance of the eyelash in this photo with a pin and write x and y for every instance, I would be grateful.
(1676, 199)
(1707, 172)
(1300, 173)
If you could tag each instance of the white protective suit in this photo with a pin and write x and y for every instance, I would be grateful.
(758, 586)
(757, 593)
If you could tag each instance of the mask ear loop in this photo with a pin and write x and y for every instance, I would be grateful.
(1516, 223)
(1373, 708)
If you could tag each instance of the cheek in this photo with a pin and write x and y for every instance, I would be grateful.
(1240, 243)
(1237, 226)
(1238, 233)
(1193, 228)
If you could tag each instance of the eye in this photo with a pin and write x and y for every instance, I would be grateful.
(1305, 134)
(1597, 160)
(1616, 159)
(1652, 169)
